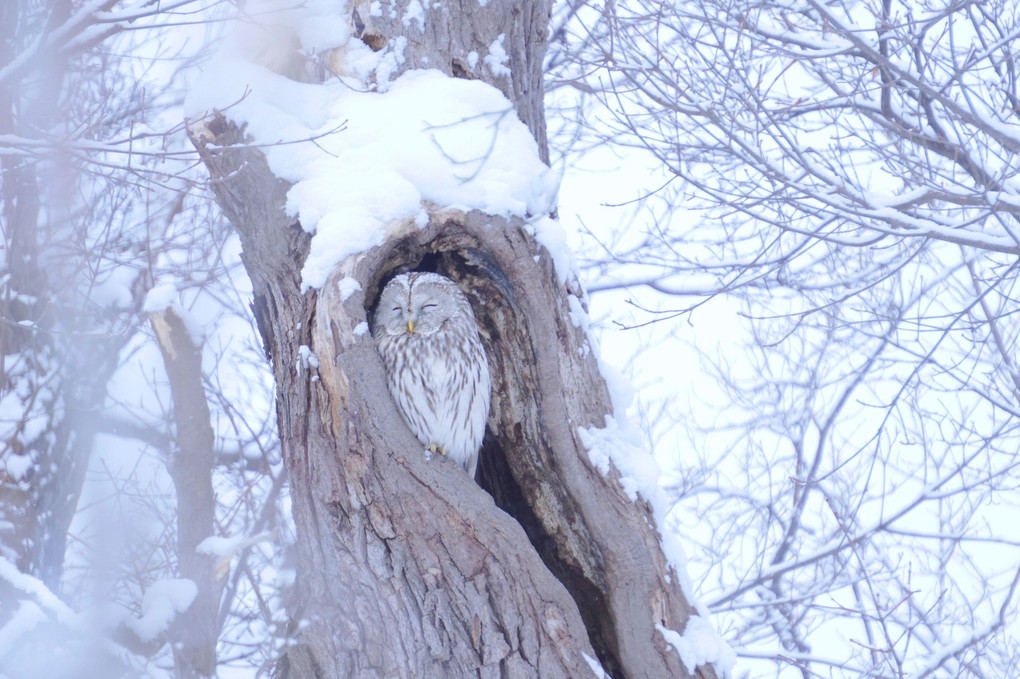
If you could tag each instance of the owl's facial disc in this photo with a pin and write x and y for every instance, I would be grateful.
(423, 319)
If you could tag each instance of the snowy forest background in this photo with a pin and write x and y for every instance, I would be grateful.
(798, 225)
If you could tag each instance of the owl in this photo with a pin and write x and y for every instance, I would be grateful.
(435, 363)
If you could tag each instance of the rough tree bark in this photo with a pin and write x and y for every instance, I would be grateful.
(191, 468)
(407, 567)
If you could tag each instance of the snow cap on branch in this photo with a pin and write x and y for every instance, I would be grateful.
(364, 153)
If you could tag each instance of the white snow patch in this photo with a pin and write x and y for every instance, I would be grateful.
(320, 25)
(596, 666)
(223, 548)
(885, 199)
(163, 297)
(389, 61)
(580, 319)
(415, 12)
(472, 58)
(347, 287)
(376, 156)
(219, 546)
(550, 234)
(35, 588)
(113, 288)
(700, 644)
(162, 602)
(497, 58)
(578, 316)
(361, 329)
(27, 617)
(17, 466)
(160, 298)
(614, 446)
(307, 358)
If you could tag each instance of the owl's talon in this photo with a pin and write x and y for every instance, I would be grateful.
(436, 448)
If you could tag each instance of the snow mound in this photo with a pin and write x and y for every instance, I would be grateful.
(362, 160)
(700, 644)
(163, 600)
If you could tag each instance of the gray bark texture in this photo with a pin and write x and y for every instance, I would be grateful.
(194, 634)
(408, 568)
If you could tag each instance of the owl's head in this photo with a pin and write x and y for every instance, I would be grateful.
(418, 303)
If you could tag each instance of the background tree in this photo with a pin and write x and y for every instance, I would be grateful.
(844, 177)
(99, 205)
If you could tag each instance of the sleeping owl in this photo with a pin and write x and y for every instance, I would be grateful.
(435, 362)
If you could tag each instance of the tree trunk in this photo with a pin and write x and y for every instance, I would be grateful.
(407, 567)
(191, 468)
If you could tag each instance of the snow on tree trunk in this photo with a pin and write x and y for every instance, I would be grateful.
(406, 566)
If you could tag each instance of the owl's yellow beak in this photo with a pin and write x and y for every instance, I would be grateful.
(410, 326)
